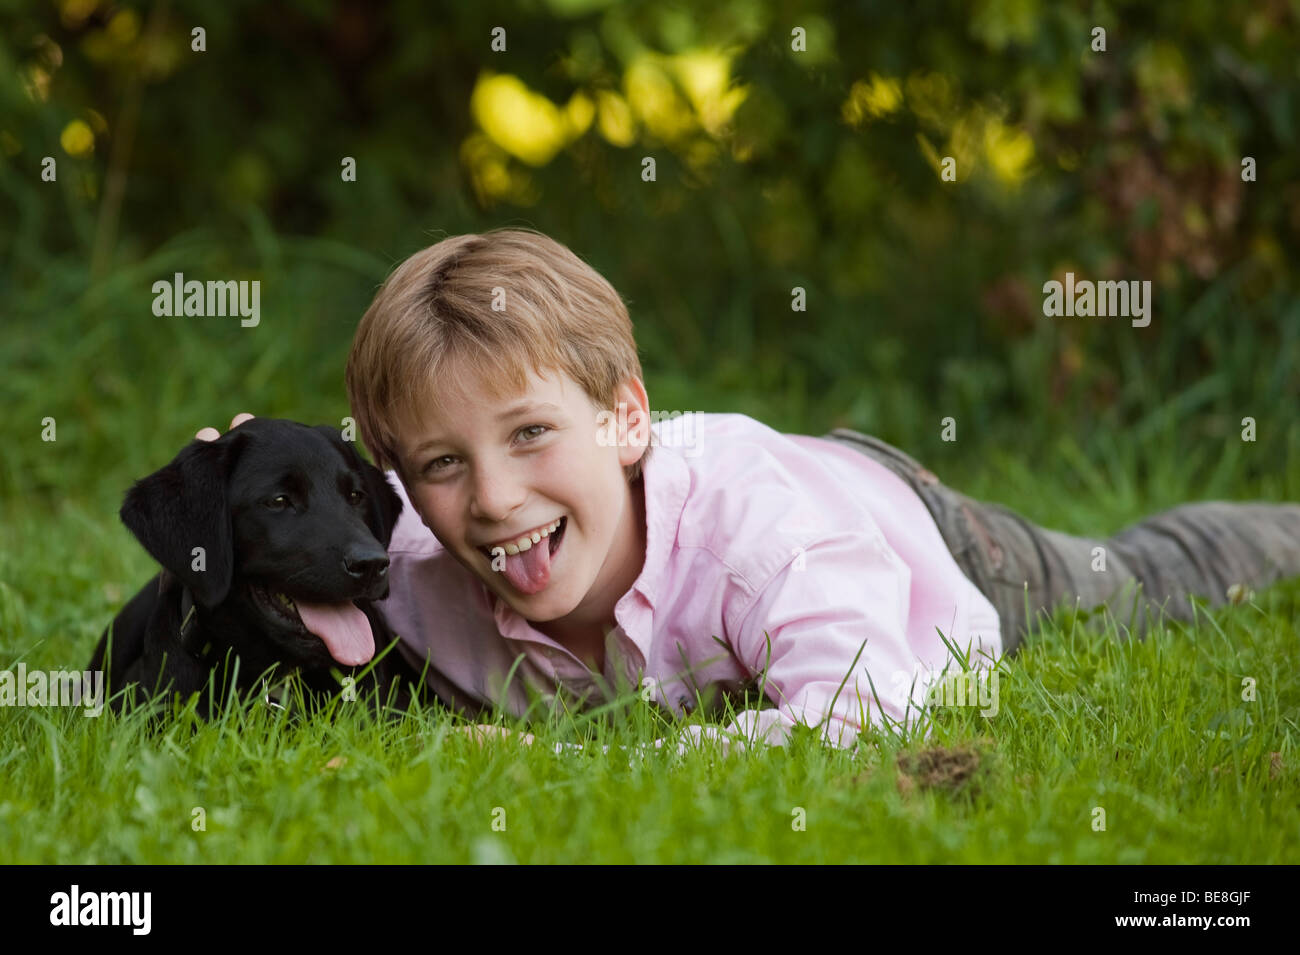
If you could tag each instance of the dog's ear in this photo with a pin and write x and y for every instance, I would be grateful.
(184, 506)
(383, 504)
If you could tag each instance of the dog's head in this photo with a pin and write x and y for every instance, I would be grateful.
(283, 525)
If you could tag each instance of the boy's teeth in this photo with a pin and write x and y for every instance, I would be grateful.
(528, 540)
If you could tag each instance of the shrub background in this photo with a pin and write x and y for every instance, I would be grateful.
(775, 169)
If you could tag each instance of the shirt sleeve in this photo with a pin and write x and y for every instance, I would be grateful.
(825, 629)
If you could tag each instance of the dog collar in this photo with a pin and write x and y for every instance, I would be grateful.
(187, 619)
(189, 616)
(275, 696)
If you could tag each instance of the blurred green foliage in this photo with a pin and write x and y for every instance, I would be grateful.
(777, 168)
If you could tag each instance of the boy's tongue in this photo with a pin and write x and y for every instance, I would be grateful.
(343, 629)
(529, 570)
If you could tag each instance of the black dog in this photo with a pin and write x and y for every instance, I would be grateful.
(273, 540)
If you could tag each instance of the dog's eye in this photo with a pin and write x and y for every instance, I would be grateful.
(278, 503)
(356, 497)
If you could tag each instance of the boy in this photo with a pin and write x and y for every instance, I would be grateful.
(552, 537)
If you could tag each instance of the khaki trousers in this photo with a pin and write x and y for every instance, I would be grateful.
(1212, 549)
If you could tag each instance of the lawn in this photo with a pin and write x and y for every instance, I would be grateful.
(1156, 734)
(1103, 750)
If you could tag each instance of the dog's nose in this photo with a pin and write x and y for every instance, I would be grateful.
(367, 566)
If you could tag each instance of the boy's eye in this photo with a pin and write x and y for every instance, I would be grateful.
(431, 467)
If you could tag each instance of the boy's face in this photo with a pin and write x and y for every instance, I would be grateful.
(480, 471)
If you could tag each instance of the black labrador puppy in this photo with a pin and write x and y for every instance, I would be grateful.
(273, 541)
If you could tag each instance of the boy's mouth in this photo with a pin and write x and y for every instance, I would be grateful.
(551, 532)
(529, 569)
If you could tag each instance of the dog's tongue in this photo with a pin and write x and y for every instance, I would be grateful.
(530, 570)
(343, 628)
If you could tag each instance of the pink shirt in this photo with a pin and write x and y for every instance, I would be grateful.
(747, 530)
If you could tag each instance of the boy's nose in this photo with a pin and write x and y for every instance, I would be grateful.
(495, 496)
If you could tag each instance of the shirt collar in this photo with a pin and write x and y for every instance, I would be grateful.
(666, 479)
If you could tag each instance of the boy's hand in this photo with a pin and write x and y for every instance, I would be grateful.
(484, 732)
(211, 434)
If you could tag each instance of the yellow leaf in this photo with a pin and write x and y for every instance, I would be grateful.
(77, 140)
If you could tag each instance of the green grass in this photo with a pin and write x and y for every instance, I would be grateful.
(1154, 732)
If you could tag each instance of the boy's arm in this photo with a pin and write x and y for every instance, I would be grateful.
(827, 636)
(817, 628)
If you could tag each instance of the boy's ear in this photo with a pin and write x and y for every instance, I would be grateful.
(383, 503)
(184, 506)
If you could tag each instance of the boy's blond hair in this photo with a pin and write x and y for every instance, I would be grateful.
(432, 328)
